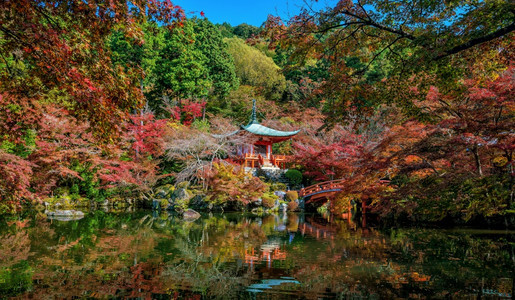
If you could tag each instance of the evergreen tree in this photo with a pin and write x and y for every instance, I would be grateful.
(181, 70)
(220, 64)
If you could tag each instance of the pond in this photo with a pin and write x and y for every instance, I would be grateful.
(148, 255)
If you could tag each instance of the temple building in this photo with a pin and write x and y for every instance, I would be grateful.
(258, 154)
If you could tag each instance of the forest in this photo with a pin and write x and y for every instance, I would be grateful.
(122, 102)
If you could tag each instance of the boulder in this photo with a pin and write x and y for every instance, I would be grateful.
(164, 191)
(65, 215)
(181, 194)
(180, 198)
(161, 193)
(156, 204)
(280, 194)
(198, 203)
(190, 215)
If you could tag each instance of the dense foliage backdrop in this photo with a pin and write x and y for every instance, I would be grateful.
(107, 100)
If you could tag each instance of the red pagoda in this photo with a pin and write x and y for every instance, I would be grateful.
(259, 153)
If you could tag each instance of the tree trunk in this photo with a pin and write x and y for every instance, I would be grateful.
(475, 151)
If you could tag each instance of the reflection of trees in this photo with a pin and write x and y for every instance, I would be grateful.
(143, 255)
(453, 258)
(15, 272)
(14, 247)
(204, 255)
(405, 263)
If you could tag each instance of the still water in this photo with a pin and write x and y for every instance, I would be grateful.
(145, 255)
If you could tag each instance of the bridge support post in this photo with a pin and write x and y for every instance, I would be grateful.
(363, 213)
(349, 211)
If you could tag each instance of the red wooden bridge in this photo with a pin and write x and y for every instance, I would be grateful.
(326, 189)
(322, 190)
(319, 193)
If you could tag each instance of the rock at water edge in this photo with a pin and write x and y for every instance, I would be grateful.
(190, 215)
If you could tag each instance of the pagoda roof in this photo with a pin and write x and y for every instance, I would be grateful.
(255, 128)
(258, 129)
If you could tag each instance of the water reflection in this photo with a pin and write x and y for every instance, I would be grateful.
(146, 255)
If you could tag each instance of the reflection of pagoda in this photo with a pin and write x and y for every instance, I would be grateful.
(259, 153)
(269, 252)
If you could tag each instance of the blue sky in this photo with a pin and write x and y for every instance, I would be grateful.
(236, 12)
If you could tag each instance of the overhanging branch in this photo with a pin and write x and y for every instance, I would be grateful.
(474, 42)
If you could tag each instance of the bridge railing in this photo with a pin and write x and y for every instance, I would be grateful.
(322, 186)
(328, 185)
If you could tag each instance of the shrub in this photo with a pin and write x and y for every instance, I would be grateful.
(227, 184)
(268, 200)
(15, 175)
(294, 176)
(277, 186)
(291, 196)
(341, 203)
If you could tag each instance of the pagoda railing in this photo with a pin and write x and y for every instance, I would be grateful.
(278, 161)
(249, 160)
(261, 160)
(257, 160)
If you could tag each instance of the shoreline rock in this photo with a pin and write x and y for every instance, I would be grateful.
(65, 215)
(190, 215)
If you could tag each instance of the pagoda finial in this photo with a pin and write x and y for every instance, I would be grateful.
(253, 115)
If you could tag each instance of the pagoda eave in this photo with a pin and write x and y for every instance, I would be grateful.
(264, 139)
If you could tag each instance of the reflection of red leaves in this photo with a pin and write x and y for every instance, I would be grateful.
(19, 224)
(68, 245)
(22, 224)
(14, 247)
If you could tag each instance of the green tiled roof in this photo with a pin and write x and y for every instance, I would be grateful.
(255, 128)
(259, 129)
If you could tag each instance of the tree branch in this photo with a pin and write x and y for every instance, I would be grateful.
(379, 26)
(474, 42)
(362, 71)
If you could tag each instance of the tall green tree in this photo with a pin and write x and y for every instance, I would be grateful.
(220, 64)
(226, 30)
(181, 70)
(246, 31)
(131, 53)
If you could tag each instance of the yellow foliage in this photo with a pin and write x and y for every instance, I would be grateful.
(341, 203)
(254, 68)
(500, 161)
(413, 159)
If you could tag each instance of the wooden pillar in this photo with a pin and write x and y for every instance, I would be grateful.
(349, 210)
